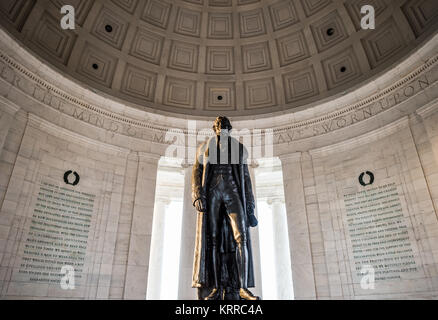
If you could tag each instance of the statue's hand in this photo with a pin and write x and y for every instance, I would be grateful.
(252, 220)
(200, 205)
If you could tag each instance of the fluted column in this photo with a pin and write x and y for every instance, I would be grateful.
(188, 234)
(156, 256)
(282, 254)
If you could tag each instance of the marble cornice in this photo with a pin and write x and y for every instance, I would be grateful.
(48, 127)
(366, 138)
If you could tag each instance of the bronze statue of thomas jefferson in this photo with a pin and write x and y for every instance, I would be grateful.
(222, 195)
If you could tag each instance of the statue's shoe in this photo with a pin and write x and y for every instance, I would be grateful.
(245, 294)
(215, 294)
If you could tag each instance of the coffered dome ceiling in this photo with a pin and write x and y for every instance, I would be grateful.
(205, 57)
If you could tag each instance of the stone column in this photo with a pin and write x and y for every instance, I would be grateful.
(299, 238)
(282, 253)
(255, 240)
(185, 290)
(156, 256)
(141, 229)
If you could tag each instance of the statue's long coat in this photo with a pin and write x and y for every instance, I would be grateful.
(200, 178)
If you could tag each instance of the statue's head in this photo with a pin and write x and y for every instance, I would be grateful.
(222, 125)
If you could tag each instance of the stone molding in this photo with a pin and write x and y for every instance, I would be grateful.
(375, 135)
(9, 106)
(48, 127)
(291, 157)
(428, 109)
(149, 157)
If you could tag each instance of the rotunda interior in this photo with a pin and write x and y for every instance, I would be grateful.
(103, 105)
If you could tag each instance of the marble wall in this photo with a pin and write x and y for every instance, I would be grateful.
(123, 184)
(330, 173)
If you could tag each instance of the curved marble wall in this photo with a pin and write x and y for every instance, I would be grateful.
(50, 125)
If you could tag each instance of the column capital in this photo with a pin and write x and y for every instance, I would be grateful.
(185, 164)
(254, 164)
(274, 200)
(164, 200)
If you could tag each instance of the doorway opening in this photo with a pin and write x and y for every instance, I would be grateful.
(275, 258)
(166, 231)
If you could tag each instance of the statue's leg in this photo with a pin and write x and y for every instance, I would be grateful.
(240, 237)
(238, 224)
(213, 212)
